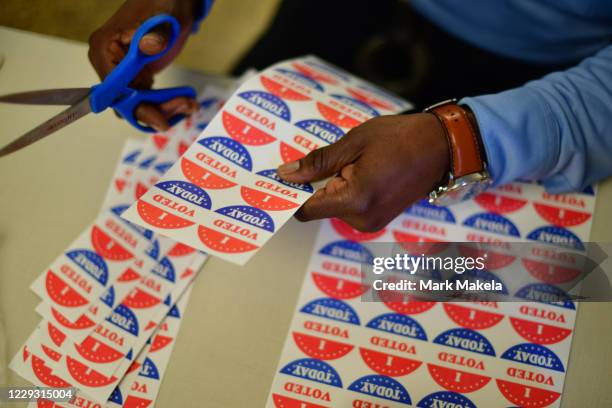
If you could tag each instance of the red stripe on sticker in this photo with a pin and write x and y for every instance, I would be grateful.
(107, 247)
(265, 201)
(337, 287)
(243, 132)
(320, 348)
(561, 216)
(457, 380)
(85, 375)
(281, 401)
(353, 234)
(498, 203)
(61, 293)
(472, 318)
(201, 177)
(44, 374)
(157, 217)
(336, 117)
(289, 154)
(388, 364)
(526, 396)
(221, 242)
(538, 332)
(549, 273)
(417, 244)
(97, 352)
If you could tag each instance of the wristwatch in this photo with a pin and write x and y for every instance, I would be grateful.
(468, 175)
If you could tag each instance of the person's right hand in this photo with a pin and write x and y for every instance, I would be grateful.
(109, 44)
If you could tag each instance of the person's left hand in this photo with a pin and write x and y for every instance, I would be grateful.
(380, 168)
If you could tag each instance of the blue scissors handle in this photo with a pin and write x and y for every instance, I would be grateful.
(127, 105)
(115, 92)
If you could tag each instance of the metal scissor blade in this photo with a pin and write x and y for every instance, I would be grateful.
(46, 128)
(66, 96)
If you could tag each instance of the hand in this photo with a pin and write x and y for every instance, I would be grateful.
(109, 44)
(379, 169)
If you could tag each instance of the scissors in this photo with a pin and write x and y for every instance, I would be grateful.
(113, 92)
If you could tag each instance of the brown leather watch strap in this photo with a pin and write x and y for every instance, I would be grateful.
(466, 157)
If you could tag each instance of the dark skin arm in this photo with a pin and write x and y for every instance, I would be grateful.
(109, 44)
(379, 169)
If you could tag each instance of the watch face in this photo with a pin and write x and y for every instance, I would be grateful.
(464, 188)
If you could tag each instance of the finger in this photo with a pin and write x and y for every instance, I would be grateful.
(322, 163)
(151, 115)
(180, 106)
(336, 199)
(105, 52)
(155, 41)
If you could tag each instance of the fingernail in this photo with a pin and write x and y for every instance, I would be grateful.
(152, 41)
(289, 168)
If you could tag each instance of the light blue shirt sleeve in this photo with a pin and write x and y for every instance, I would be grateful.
(557, 129)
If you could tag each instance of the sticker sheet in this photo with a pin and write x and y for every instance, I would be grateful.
(111, 303)
(223, 195)
(141, 384)
(400, 351)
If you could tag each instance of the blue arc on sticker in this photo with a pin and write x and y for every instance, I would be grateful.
(149, 369)
(556, 236)
(535, 355)
(187, 192)
(268, 102)
(165, 269)
(249, 215)
(423, 209)
(272, 175)
(381, 386)
(108, 297)
(333, 309)
(91, 263)
(125, 319)
(398, 324)
(131, 157)
(545, 293)
(491, 222)
(348, 251)
(445, 399)
(152, 250)
(229, 149)
(116, 396)
(467, 340)
(313, 370)
(327, 132)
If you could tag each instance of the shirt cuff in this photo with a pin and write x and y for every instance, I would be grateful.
(518, 133)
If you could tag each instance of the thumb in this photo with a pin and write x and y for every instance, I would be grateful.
(155, 41)
(321, 163)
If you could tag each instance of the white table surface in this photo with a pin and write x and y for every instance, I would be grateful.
(238, 317)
